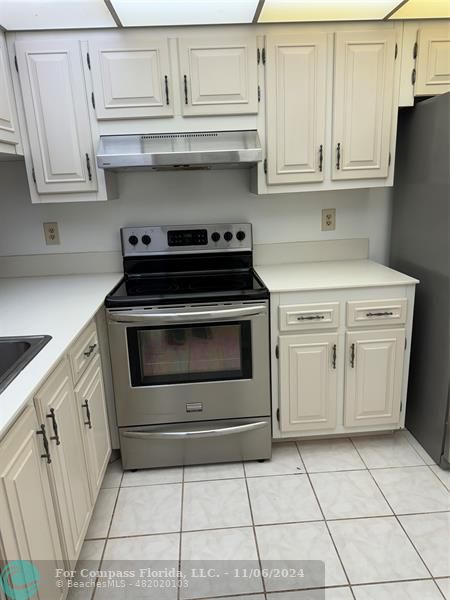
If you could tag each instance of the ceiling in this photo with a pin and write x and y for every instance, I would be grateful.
(18, 15)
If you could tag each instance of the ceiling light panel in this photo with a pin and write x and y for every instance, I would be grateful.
(423, 9)
(145, 13)
(282, 11)
(17, 15)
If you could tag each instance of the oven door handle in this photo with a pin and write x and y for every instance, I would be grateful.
(193, 434)
(187, 317)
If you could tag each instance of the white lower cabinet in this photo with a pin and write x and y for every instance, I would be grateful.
(308, 381)
(373, 377)
(56, 407)
(90, 396)
(28, 527)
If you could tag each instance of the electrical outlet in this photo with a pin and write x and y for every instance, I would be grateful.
(328, 219)
(51, 232)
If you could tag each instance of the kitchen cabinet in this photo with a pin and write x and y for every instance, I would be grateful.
(373, 376)
(308, 381)
(9, 133)
(218, 75)
(131, 77)
(56, 407)
(296, 76)
(91, 403)
(29, 528)
(363, 103)
(433, 60)
(56, 113)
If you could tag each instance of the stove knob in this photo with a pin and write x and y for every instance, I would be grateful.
(133, 240)
(146, 239)
(215, 236)
(228, 236)
(240, 235)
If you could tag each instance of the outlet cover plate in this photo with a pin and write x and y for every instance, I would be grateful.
(328, 219)
(51, 233)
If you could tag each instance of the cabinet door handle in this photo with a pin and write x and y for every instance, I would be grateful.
(166, 86)
(88, 166)
(321, 157)
(88, 414)
(338, 156)
(55, 435)
(352, 356)
(185, 90)
(46, 454)
(333, 360)
(380, 314)
(311, 318)
(90, 350)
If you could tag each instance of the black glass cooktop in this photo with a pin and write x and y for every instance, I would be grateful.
(173, 287)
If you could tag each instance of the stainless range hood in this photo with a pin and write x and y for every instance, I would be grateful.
(166, 151)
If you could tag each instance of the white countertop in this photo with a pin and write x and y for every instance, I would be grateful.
(308, 276)
(57, 306)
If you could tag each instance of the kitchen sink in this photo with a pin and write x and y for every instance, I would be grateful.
(16, 353)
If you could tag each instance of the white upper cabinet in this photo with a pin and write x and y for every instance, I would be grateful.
(9, 134)
(56, 112)
(296, 72)
(363, 103)
(218, 75)
(131, 77)
(433, 60)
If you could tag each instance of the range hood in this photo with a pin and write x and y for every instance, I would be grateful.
(175, 151)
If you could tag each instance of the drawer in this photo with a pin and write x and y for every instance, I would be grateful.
(83, 351)
(368, 313)
(301, 317)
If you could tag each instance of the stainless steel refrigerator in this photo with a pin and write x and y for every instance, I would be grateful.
(420, 247)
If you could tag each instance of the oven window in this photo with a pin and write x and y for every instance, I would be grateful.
(187, 354)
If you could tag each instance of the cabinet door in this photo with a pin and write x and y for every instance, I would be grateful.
(131, 78)
(296, 107)
(27, 515)
(433, 60)
(57, 407)
(374, 375)
(91, 402)
(363, 103)
(308, 382)
(219, 77)
(8, 128)
(56, 112)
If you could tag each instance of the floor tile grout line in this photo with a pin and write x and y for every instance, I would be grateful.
(326, 524)
(398, 521)
(437, 476)
(255, 538)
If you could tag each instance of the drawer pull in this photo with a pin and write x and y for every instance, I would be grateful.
(55, 435)
(333, 360)
(46, 454)
(380, 314)
(88, 414)
(352, 356)
(311, 318)
(91, 349)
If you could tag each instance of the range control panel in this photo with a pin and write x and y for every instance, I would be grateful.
(181, 239)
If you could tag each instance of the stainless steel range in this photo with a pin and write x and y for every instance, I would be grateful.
(189, 337)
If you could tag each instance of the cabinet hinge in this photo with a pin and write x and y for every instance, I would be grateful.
(33, 174)
(278, 415)
(277, 352)
(93, 100)
(88, 60)
(396, 51)
(415, 50)
(258, 55)
(259, 93)
(401, 406)
(15, 63)
(265, 171)
(406, 343)
(413, 76)
(263, 56)
(390, 158)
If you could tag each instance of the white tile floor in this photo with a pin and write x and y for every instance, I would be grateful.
(375, 510)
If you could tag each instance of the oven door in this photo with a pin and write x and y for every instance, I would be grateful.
(190, 363)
